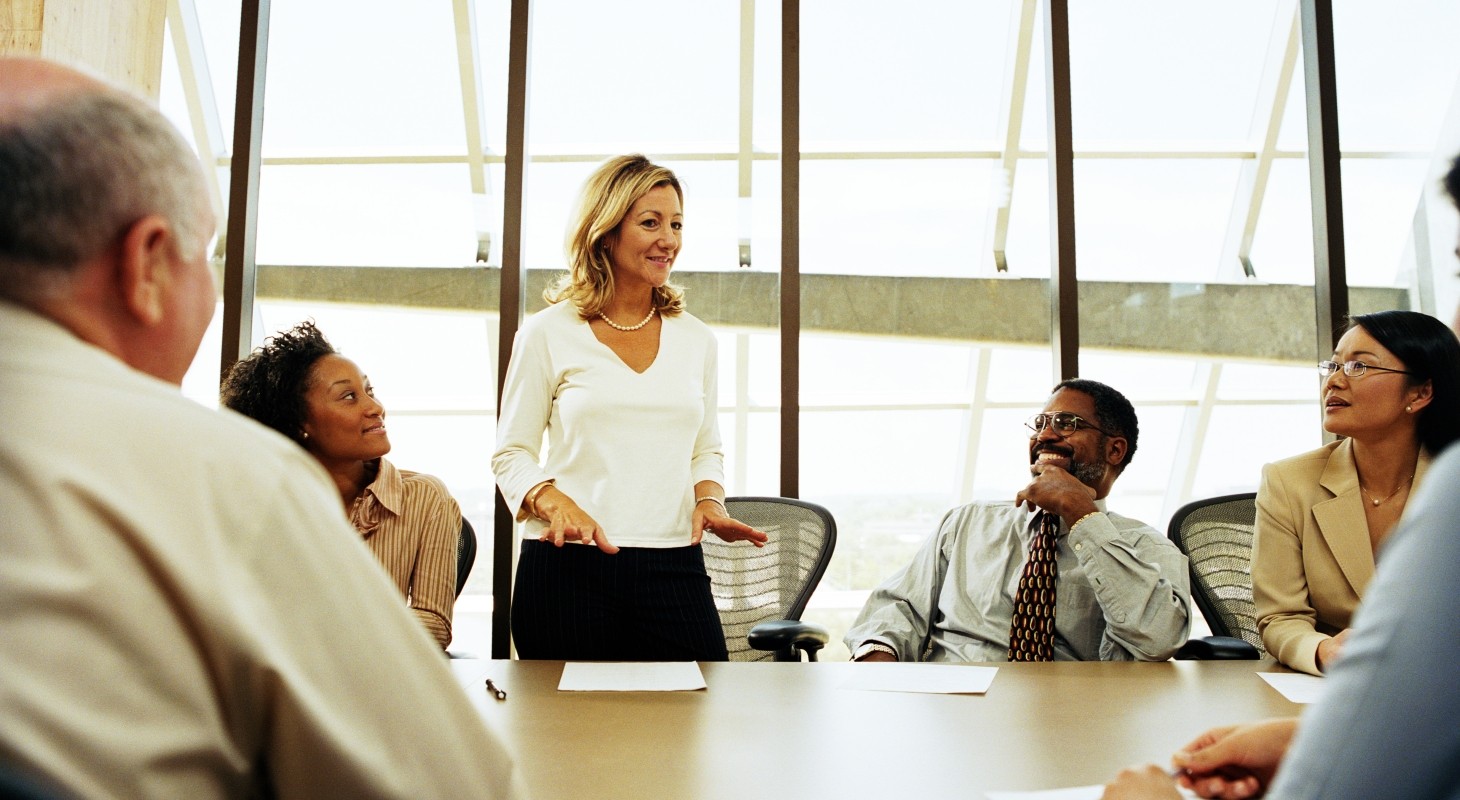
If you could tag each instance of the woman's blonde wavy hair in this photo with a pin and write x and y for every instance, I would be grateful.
(607, 196)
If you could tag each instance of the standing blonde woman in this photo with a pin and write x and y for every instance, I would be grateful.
(623, 382)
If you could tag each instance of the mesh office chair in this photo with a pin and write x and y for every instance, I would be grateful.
(466, 553)
(1216, 536)
(466, 556)
(761, 591)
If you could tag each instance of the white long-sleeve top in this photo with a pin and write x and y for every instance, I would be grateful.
(628, 447)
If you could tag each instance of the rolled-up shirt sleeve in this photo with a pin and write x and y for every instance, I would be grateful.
(899, 613)
(1141, 582)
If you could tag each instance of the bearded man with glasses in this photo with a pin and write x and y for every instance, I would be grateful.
(1052, 575)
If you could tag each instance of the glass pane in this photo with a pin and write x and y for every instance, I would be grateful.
(1379, 200)
(1267, 433)
(907, 373)
(1152, 220)
(895, 217)
(934, 77)
(1396, 66)
(1282, 245)
(1141, 491)
(1266, 381)
(1027, 249)
(374, 80)
(676, 89)
(366, 215)
(1149, 71)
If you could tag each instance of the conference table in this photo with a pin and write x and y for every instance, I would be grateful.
(787, 730)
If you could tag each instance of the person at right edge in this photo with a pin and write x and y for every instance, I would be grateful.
(1385, 725)
(1390, 392)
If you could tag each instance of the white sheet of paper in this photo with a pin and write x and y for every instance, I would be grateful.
(924, 678)
(1072, 793)
(1296, 687)
(652, 676)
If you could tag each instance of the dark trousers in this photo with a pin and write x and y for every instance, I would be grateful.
(577, 603)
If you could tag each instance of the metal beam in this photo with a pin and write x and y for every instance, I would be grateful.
(790, 289)
(1064, 300)
(1330, 274)
(513, 298)
(1011, 123)
(239, 267)
(745, 156)
(1267, 120)
(197, 86)
(468, 62)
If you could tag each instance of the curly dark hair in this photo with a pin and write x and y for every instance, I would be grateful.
(1116, 413)
(269, 385)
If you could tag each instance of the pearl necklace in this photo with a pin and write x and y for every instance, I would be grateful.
(1377, 501)
(628, 328)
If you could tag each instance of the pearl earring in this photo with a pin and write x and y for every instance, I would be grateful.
(1409, 409)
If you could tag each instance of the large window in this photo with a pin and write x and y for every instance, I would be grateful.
(924, 216)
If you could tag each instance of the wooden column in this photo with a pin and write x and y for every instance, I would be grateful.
(119, 39)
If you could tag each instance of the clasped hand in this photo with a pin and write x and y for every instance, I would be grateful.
(1234, 762)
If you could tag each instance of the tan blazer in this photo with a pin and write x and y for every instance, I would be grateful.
(1311, 557)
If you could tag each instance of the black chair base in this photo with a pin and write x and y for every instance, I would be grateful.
(1217, 648)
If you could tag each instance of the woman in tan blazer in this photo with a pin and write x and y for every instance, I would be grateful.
(1393, 392)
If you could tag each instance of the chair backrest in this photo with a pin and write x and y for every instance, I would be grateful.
(1216, 536)
(755, 584)
(466, 554)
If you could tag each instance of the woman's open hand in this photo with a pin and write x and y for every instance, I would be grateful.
(566, 522)
(713, 518)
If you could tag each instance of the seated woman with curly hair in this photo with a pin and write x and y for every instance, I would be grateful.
(300, 386)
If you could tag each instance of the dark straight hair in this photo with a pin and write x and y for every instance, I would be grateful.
(1430, 352)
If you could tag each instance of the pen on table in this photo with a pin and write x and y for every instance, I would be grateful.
(496, 690)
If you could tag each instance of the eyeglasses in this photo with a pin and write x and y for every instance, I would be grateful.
(1063, 422)
(1353, 369)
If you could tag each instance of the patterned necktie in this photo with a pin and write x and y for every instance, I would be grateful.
(1031, 635)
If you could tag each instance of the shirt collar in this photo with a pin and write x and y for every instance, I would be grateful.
(385, 495)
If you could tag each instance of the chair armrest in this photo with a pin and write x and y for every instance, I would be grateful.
(782, 635)
(1217, 648)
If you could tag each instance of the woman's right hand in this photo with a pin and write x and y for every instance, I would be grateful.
(1330, 649)
(566, 522)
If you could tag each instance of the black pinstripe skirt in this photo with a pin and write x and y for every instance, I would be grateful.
(577, 603)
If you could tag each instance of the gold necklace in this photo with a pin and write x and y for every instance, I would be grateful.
(1377, 501)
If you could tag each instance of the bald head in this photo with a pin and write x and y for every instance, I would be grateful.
(104, 216)
(79, 161)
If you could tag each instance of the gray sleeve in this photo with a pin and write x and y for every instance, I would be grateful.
(899, 613)
(1385, 726)
(1140, 581)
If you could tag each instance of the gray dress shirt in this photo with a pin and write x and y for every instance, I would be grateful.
(1123, 591)
(1386, 724)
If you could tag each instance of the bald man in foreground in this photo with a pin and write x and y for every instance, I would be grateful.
(186, 613)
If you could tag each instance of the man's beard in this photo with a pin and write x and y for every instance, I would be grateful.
(1088, 474)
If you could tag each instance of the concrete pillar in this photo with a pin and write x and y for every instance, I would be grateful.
(120, 39)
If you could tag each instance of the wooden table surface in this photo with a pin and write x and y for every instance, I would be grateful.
(781, 730)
